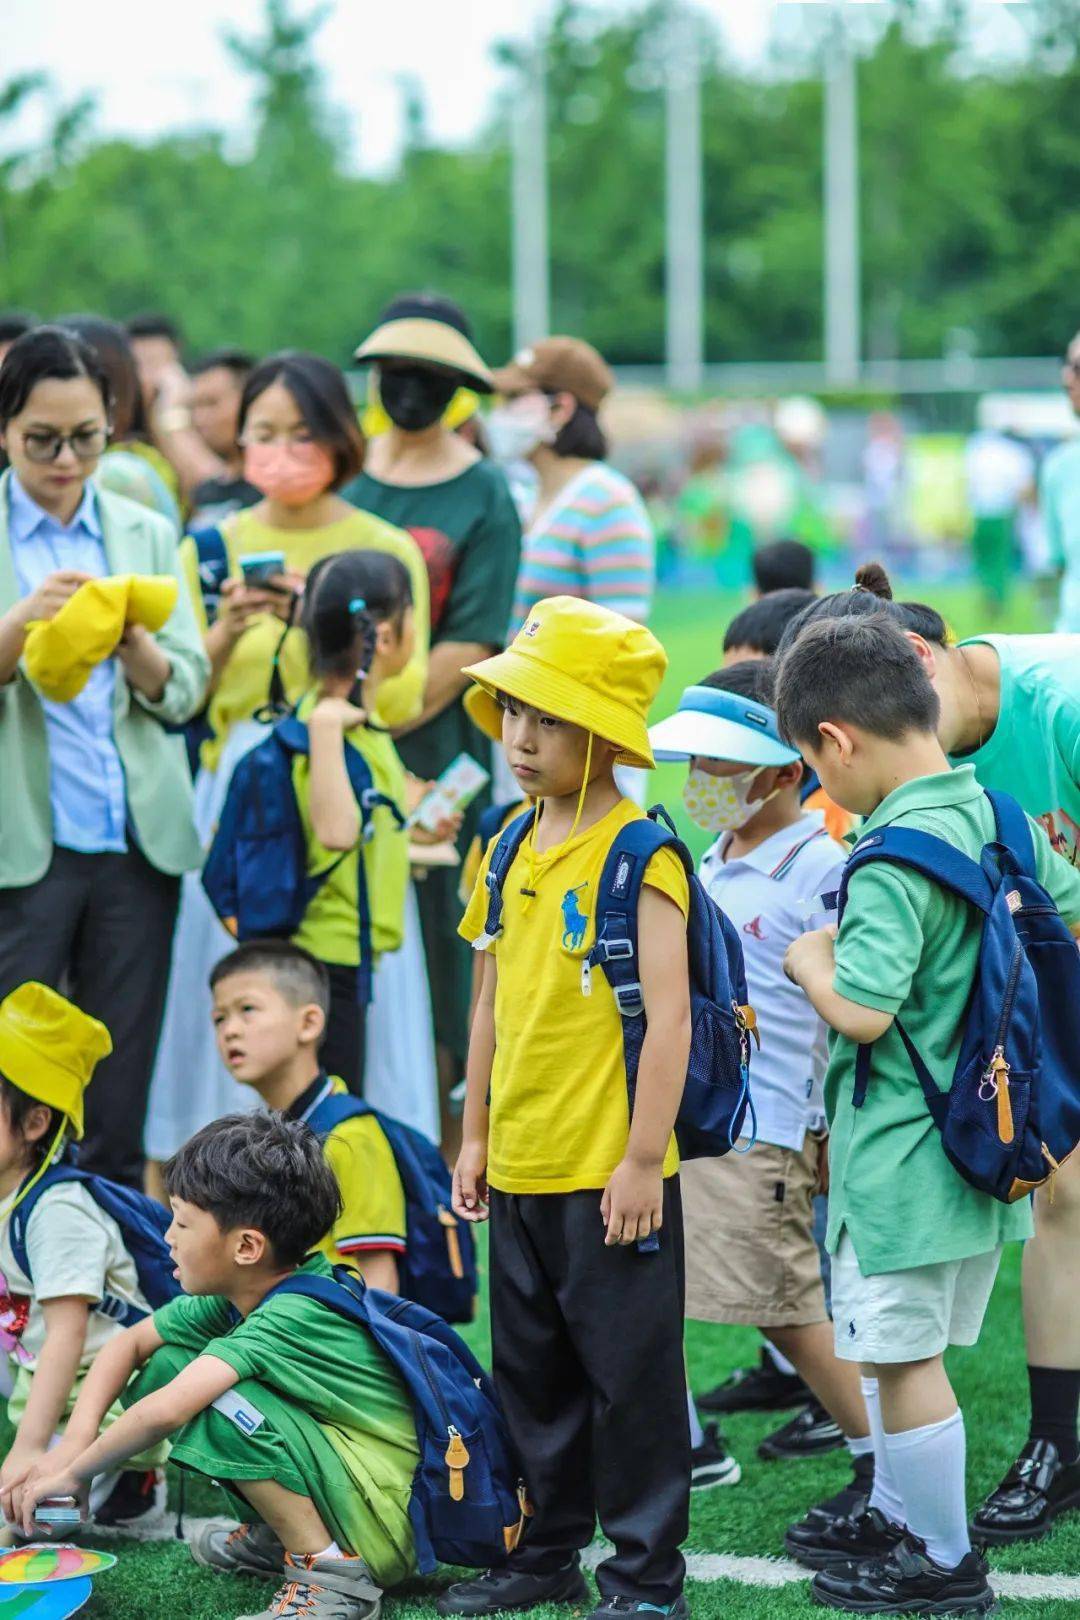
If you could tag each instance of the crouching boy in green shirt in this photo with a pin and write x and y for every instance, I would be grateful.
(293, 1409)
(916, 1248)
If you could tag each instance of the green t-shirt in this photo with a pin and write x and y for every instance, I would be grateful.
(1034, 750)
(470, 534)
(910, 947)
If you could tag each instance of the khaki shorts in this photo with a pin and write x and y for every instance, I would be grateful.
(908, 1315)
(750, 1251)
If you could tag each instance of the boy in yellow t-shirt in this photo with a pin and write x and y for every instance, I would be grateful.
(270, 1006)
(585, 1310)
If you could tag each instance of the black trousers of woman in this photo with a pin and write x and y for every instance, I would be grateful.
(99, 929)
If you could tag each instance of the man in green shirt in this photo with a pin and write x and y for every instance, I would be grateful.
(915, 1247)
(293, 1409)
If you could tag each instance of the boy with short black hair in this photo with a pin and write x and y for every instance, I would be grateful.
(756, 631)
(915, 1247)
(783, 565)
(271, 1000)
(586, 1263)
(288, 1405)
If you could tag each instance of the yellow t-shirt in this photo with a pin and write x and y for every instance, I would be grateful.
(559, 1107)
(245, 681)
(331, 926)
(372, 1218)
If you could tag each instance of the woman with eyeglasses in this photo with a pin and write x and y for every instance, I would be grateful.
(95, 809)
(300, 440)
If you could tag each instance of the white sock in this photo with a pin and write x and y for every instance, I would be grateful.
(928, 1467)
(884, 1496)
(333, 1551)
(780, 1362)
(859, 1445)
(697, 1433)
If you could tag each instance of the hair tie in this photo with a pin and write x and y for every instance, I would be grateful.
(859, 586)
(357, 605)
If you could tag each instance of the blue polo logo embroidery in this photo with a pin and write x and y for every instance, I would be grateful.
(575, 921)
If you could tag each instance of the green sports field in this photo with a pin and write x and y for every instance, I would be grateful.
(159, 1582)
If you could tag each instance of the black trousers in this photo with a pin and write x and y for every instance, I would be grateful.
(342, 1050)
(99, 928)
(587, 1346)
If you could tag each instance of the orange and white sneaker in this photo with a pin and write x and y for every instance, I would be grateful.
(238, 1549)
(323, 1589)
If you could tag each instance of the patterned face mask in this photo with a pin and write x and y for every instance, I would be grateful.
(720, 804)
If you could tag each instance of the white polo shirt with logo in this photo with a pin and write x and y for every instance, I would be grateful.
(772, 895)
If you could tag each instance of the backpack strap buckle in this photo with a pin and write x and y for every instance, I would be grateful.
(630, 999)
(612, 950)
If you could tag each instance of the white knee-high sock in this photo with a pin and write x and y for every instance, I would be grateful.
(697, 1433)
(884, 1496)
(928, 1468)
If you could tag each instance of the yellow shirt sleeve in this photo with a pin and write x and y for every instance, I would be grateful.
(472, 924)
(668, 874)
(372, 1219)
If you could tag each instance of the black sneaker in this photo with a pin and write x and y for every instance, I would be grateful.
(711, 1463)
(906, 1582)
(810, 1433)
(137, 1500)
(500, 1589)
(847, 1503)
(763, 1388)
(853, 1540)
(1036, 1489)
(621, 1608)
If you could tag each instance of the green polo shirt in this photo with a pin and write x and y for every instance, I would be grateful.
(909, 947)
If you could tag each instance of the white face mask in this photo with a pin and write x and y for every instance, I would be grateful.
(514, 432)
(721, 804)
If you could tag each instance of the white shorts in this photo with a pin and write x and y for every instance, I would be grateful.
(908, 1315)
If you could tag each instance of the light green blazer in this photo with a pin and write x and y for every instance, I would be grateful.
(137, 541)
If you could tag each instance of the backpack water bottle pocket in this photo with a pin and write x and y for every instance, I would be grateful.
(985, 1128)
(456, 1485)
(714, 1098)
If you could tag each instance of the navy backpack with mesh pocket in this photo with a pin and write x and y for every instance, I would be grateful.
(1012, 1113)
(716, 1097)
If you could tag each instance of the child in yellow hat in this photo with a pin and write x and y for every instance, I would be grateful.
(52, 1320)
(586, 1322)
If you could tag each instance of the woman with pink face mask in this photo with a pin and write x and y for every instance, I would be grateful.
(301, 442)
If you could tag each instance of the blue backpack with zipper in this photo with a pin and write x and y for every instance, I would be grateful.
(143, 1223)
(256, 872)
(468, 1502)
(716, 1097)
(1012, 1113)
(438, 1269)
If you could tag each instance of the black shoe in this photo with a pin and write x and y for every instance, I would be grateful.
(763, 1388)
(622, 1608)
(906, 1582)
(1036, 1489)
(848, 1503)
(852, 1540)
(500, 1589)
(137, 1498)
(810, 1433)
(711, 1463)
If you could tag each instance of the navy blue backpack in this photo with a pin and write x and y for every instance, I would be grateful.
(1012, 1113)
(716, 1097)
(143, 1223)
(438, 1269)
(468, 1501)
(256, 872)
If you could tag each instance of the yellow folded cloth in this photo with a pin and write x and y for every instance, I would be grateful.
(60, 652)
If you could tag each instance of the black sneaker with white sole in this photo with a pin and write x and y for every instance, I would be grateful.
(498, 1590)
(854, 1540)
(848, 1503)
(137, 1500)
(763, 1388)
(711, 1463)
(907, 1581)
(810, 1433)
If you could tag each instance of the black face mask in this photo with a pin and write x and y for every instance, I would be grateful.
(414, 397)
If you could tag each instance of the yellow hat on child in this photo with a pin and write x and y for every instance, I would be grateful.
(49, 1049)
(62, 651)
(581, 663)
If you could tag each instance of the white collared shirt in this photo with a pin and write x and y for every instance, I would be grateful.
(772, 895)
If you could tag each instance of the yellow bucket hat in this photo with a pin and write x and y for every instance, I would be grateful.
(49, 1049)
(61, 652)
(583, 664)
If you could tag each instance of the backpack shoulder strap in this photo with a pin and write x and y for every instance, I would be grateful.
(19, 1224)
(616, 945)
(502, 858)
(343, 1292)
(491, 820)
(1014, 830)
(923, 852)
(334, 1110)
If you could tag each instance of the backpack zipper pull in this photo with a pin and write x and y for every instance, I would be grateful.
(999, 1072)
(586, 977)
(746, 1019)
(453, 1244)
(457, 1460)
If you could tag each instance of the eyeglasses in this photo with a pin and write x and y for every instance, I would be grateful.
(87, 443)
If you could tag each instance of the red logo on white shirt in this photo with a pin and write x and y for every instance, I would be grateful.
(754, 928)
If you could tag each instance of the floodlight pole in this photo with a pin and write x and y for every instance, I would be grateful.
(529, 204)
(684, 303)
(841, 202)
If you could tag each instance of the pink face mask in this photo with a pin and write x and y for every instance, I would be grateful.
(291, 473)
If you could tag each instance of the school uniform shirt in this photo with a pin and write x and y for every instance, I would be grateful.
(372, 1218)
(331, 926)
(75, 1250)
(559, 1107)
(772, 895)
(909, 947)
(1034, 750)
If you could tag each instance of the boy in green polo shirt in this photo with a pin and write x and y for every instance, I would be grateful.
(916, 1248)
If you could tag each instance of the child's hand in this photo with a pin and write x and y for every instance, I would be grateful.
(810, 953)
(470, 1194)
(633, 1203)
(18, 1464)
(445, 831)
